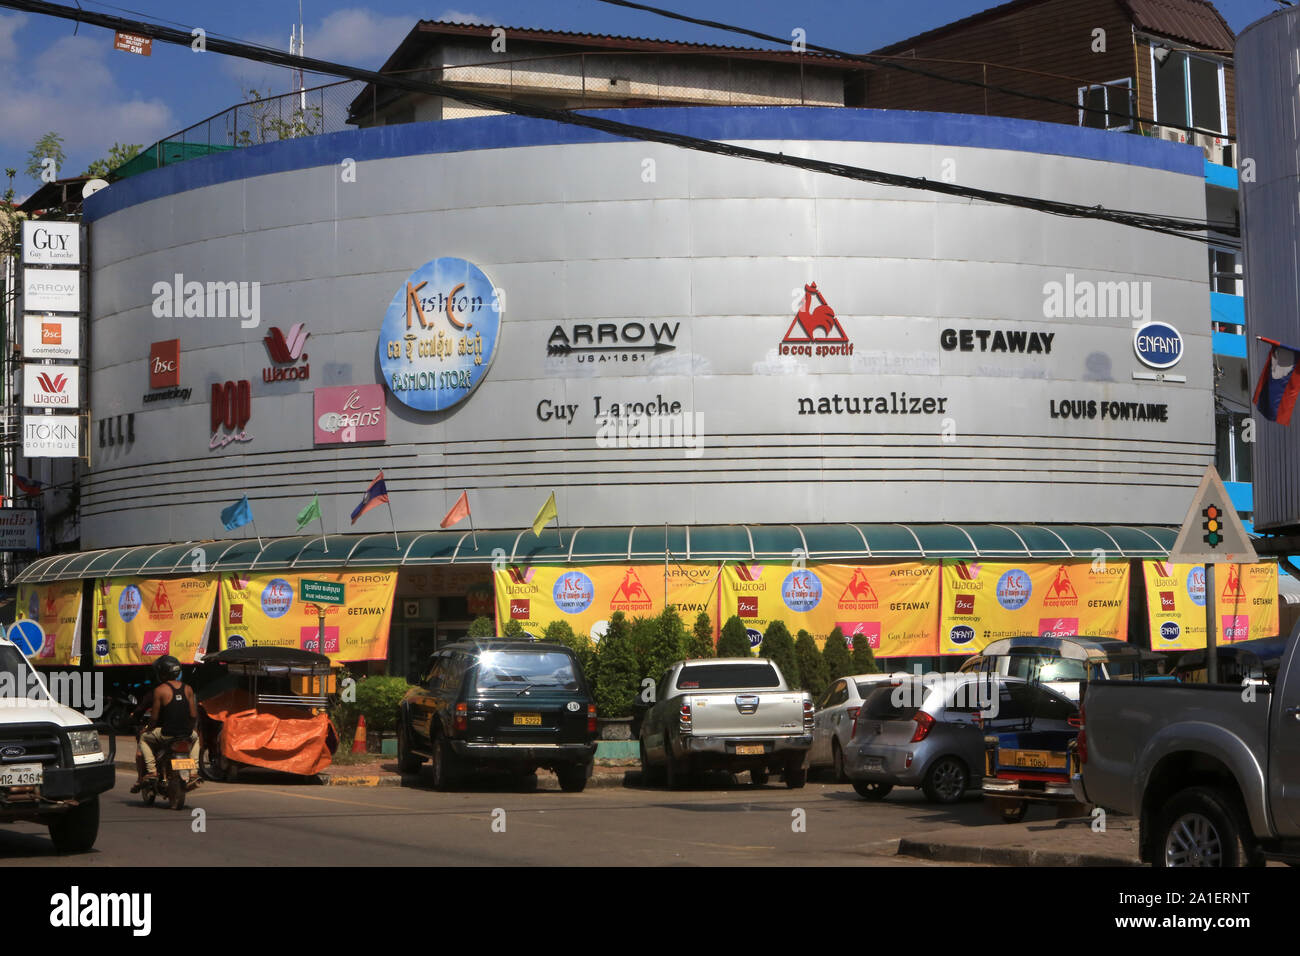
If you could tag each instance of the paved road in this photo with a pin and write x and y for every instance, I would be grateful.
(257, 824)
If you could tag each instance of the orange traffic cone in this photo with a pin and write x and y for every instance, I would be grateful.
(359, 739)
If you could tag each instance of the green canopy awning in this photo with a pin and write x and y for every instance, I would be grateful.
(643, 544)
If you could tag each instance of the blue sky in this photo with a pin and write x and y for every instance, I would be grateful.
(94, 95)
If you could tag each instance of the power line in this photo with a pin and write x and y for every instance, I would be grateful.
(1169, 225)
(892, 63)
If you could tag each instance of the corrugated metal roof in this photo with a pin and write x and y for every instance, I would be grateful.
(642, 544)
(1193, 21)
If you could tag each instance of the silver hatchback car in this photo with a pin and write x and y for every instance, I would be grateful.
(928, 731)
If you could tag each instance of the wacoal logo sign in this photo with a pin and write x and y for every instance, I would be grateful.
(47, 387)
(284, 349)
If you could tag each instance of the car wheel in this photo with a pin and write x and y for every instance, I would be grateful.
(1198, 828)
(444, 765)
(870, 790)
(573, 779)
(796, 774)
(1013, 811)
(837, 764)
(75, 830)
(758, 776)
(674, 773)
(946, 781)
(407, 762)
(526, 782)
(649, 774)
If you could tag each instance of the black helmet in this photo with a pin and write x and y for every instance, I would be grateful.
(167, 668)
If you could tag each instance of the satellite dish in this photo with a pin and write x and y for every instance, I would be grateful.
(92, 187)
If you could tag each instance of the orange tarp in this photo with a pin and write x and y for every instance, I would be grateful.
(277, 737)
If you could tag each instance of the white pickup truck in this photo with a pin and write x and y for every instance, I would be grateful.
(52, 768)
(730, 713)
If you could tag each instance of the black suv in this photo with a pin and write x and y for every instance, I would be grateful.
(499, 704)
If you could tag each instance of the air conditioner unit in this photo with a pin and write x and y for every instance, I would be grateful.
(1214, 148)
(1171, 134)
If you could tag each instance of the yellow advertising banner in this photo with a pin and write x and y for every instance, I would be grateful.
(1245, 606)
(894, 607)
(587, 596)
(57, 609)
(987, 601)
(138, 620)
(264, 610)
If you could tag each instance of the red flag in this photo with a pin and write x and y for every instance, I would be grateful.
(458, 513)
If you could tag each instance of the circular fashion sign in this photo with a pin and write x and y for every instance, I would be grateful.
(439, 334)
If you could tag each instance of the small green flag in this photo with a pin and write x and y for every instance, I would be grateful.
(309, 513)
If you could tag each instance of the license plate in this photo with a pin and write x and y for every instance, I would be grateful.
(1037, 759)
(528, 720)
(745, 749)
(22, 775)
(185, 764)
(874, 763)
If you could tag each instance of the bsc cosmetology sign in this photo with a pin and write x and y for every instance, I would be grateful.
(439, 334)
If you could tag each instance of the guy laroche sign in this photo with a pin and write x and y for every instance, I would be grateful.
(51, 243)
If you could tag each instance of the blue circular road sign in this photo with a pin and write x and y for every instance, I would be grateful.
(28, 636)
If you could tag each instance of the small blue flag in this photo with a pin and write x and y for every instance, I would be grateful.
(237, 515)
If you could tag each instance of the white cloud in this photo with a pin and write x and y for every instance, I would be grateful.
(9, 25)
(458, 16)
(69, 88)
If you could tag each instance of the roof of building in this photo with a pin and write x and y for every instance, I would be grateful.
(1193, 21)
(55, 195)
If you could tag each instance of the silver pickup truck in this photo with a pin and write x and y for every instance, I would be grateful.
(733, 714)
(1212, 772)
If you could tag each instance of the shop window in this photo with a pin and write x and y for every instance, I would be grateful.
(1232, 454)
(1107, 105)
(1189, 92)
(453, 609)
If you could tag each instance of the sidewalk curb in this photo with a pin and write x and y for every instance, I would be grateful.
(1006, 855)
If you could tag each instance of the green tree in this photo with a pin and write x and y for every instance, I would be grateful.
(701, 644)
(778, 647)
(118, 154)
(49, 146)
(482, 627)
(278, 117)
(617, 672)
(836, 655)
(864, 662)
(812, 667)
(668, 645)
(643, 631)
(734, 641)
(560, 632)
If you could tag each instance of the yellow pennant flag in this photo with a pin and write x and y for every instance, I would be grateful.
(545, 516)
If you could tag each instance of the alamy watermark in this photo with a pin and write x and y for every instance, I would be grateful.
(179, 299)
(80, 690)
(683, 430)
(973, 692)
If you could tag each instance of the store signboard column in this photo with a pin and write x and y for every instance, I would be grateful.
(52, 316)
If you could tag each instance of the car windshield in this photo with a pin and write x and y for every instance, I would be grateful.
(866, 687)
(717, 676)
(1045, 668)
(520, 670)
(17, 680)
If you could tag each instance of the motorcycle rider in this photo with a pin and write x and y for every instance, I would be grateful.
(173, 712)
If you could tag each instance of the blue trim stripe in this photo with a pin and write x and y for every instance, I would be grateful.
(1242, 495)
(729, 123)
(1230, 309)
(1228, 343)
(1225, 177)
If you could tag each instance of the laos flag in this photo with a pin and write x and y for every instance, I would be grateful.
(1275, 395)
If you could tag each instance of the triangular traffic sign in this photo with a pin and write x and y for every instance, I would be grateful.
(1212, 533)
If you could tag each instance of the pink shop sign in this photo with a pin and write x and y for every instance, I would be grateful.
(349, 413)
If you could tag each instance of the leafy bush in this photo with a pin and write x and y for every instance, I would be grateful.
(734, 641)
(836, 655)
(512, 629)
(377, 700)
(701, 642)
(482, 627)
(668, 644)
(618, 675)
(864, 661)
(778, 647)
(812, 667)
(560, 632)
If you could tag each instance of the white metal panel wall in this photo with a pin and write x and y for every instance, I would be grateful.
(715, 246)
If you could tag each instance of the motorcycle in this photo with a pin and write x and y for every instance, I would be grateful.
(120, 712)
(178, 774)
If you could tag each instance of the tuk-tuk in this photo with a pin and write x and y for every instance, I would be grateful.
(1064, 663)
(268, 710)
